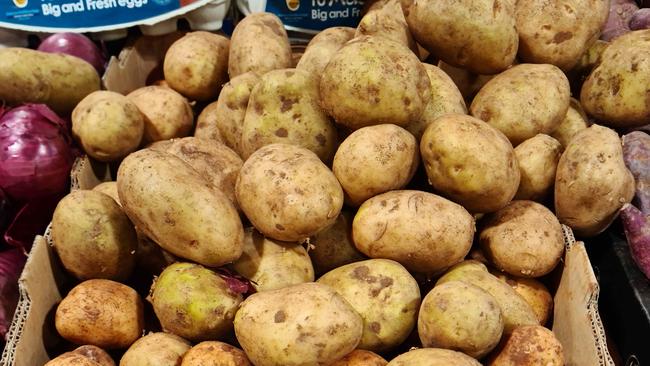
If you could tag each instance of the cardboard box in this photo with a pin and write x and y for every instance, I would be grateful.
(42, 284)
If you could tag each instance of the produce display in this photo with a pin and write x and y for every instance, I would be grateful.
(396, 198)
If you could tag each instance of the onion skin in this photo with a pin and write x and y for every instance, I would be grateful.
(640, 19)
(637, 232)
(75, 44)
(636, 154)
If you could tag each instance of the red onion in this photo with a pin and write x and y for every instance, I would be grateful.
(77, 45)
(35, 153)
(11, 265)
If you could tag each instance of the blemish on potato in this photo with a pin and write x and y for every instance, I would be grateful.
(281, 132)
(375, 327)
(280, 317)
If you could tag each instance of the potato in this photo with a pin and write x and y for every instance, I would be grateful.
(558, 32)
(333, 247)
(276, 191)
(592, 182)
(284, 109)
(575, 121)
(156, 349)
(360, 357)
(462, 317)
(107, 125)
(58, 80)
(166, 113)
(95, 354)
(468, 83)
(479, 36)
(433, 357)
(83, 356)
(193, 302)
(215, 354)
(523, 239)
(217, 163)
(110, 189)
(470, 162)
(528, 346)
(385, 295)
(537, 157)
(225, 117)
(523, 101)
(374, 160)
(424, 232)
(196, 65)
(374, 80)
(271, 265)
(615, 91)
(322, 47)
(387, 21)
(533, 291)
(306, 324)
(172, 204)
(259, 44)
(93, 237)
(445, 99)
(514, 309)
(592, 57)
(102, 313)
(150, 257)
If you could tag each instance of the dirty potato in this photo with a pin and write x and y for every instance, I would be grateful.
(156, 349)
(166, 113)
(110, 189)
(359, 357)
(206, 124)
(433, 357)
(333, 247)
(528, 346)
(83, 356)
(212, 353)
(537, 158)
(533, 291)
(322, 47)
(387, 21)
(575, 121)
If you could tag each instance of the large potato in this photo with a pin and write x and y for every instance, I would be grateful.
(534, 292)
(172, 204)
(287, 193)
(592, 182)
(360, 357)
(575, 121)
(58, 80)
(83, 356)
(470, 162)
(445, 99)
(93, 237)
(523, 101)
(333, 247)
(387, 21)
(375, 159)
(156, 349)
(615, 93)
(193, 302)
(271, 265)
(102, 313)
(283, 108)
(374, 80)
(322, 47)
(108, 125)
(166, 113)
(196, 65)
(524, 239)
(385, 295)
(215, 354)
(259, 44)
(529, 346)
(537, 157)
(433, 357)
(424, 232)
(460, 316)
(476, 35)
(307, 324)
(558, 32)
(514, 308)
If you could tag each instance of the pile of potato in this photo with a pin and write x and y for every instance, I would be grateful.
(380, 207)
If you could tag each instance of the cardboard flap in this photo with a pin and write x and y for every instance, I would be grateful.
(87, 173)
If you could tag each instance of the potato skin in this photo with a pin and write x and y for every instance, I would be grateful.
(533, 291)
(460, 316)
(592, 182)
(333, 247)
(212, 353)
(83, 356)
(476, 35)
(110, 189)
(575, 121)
(537, 158)
(167, 114)
(468, 83)
(96, 354)
(206, 124)
(58, 80)
(276, 191)
(156, 349)
(523, 101)
(375, 159)
(385, 295)
(284, 109)
(322, 47)
(528, 346)
(470, 162)
(360, 357)
(433, 233)
(177, 208)
(194, 302)
(433, 357)
(196, 65)
(259, 44)
(102, 313)
(387, 21)
(93, 237)
(268, 323)
(108, 125)
(615, 91)
(387, 80)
